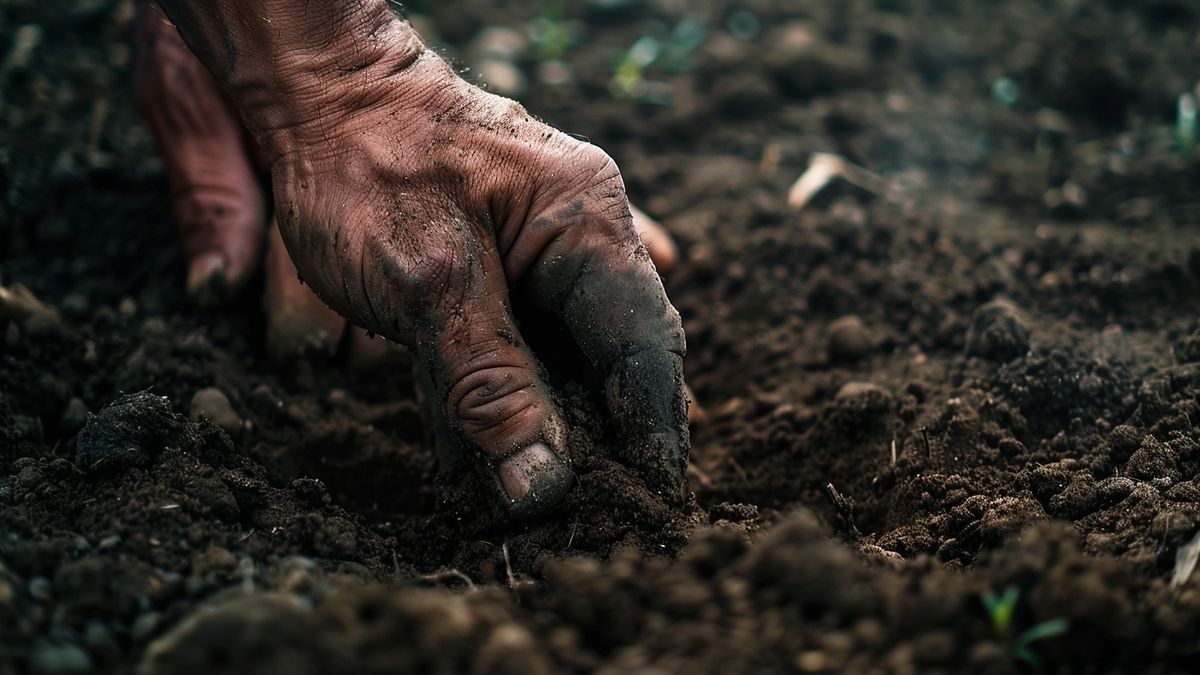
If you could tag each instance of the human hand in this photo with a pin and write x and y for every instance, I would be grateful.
(413, 203)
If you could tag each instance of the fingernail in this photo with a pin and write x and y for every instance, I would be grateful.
(205, 272)
(533, 479)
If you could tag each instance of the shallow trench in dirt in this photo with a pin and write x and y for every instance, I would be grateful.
(912, 402)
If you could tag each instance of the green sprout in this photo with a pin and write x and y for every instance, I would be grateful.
(672, 54)
(629, 77)
(552, 37)
(1185, 123)
(1002, 609)
(684, 40)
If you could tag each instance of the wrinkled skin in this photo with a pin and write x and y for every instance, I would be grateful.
(214, 168)
(416, 205)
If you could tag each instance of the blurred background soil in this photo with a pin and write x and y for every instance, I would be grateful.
(948, 418)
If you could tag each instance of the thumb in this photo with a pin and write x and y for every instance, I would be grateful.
(495, 403)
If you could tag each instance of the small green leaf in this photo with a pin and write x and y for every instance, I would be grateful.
(1185, 123)
(1043, 631)
(1024, 653)
(1002, 608)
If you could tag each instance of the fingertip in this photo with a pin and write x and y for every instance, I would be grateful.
(533, 480)
(664, 258)
(647, 399)
(207, 279)
(657, 240)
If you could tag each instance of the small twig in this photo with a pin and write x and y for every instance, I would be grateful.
(823, 168)
(925, 436)
(893, 451)
(438, 578)
(843, 510)
(571, 539)
(512, 580)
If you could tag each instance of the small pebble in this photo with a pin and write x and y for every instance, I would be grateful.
(144, 626)
(25, 40)
(74, 415)
(40, 589)
(154, 327)
(214, 560)
(555, 73)
(498, 42)
(99, 641)
(127, 307)
(75, 304)
(502, 77)
(1187, 349)
(849, 339)
(998, 332)
(855, 389)
(49, 659)
(212, 403)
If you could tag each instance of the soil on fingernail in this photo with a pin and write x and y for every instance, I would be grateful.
(950, 422)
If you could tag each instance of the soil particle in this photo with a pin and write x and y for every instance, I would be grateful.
(213, 404)
(1187, 349)
(998, 332)
(849, 339)
(1153, 460)
(129, 432)
(863, 389)
(74, 415)
(61, 659)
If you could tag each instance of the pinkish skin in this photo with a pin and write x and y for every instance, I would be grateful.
(212, 165)
(386, 167)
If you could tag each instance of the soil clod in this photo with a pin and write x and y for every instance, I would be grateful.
(998, 332)
(128, 432)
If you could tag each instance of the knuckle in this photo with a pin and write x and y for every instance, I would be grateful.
(605, 190)
(594, 196)
(490, 397)
(601, 169)
(424, 277)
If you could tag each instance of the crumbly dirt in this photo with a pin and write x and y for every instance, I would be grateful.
(981, 379)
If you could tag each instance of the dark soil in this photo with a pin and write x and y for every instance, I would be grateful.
(1011, 405)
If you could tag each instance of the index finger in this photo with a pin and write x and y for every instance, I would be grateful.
(595, 274)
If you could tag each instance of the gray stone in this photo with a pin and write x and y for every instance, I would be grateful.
(211, 403)
(501, 77)
(74, 415)
(50, 659)
(849, 339)
(998, 332)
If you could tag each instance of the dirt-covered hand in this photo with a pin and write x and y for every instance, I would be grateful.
(413, 202)
(217, 196)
